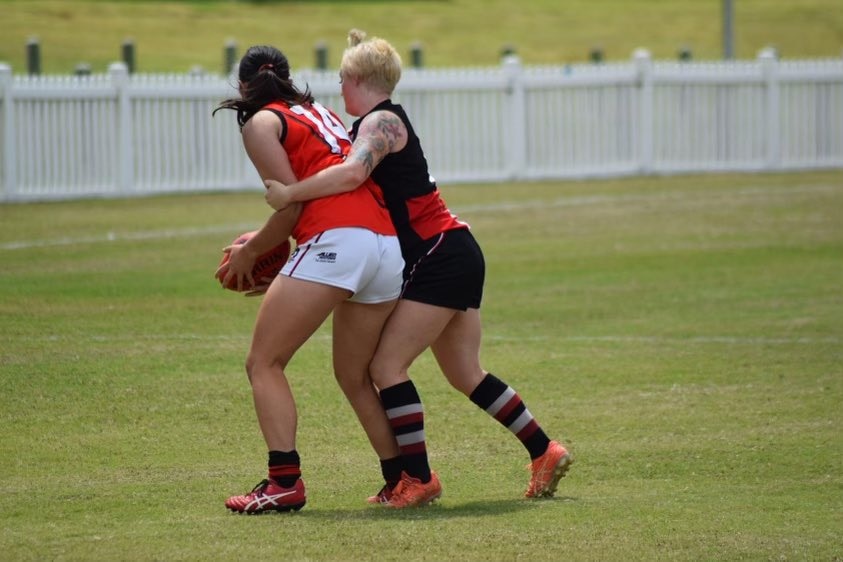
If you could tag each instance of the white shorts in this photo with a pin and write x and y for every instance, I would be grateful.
(359, 260)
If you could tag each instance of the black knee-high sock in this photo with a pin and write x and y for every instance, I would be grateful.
(500, 401)
(284, 467)
(406, 416)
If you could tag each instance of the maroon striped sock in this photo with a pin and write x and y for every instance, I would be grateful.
(500, 401)
(406, 416)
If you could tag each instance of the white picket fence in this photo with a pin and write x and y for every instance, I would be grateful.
(117, 134)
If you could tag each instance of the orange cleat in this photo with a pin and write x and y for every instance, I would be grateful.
(412, 492)
(547, 470)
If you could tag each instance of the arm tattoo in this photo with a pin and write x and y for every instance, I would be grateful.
(376, 140)
(390, 126)
(361, 152)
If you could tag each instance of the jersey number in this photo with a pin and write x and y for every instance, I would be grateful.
(330, 127)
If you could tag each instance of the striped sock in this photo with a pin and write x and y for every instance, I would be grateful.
(284, 467)
(502, 403)
(406, 416)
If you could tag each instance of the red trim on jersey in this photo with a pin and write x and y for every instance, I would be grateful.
(429, 215)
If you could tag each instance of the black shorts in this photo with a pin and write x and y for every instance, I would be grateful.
(446, 270)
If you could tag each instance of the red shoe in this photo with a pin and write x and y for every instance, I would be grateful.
(382, 497)
(411, 492)
(269, 496)
(547, 470)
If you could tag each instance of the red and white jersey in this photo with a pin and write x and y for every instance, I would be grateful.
(315, 138)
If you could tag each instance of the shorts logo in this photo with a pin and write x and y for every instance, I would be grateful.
(326, 257)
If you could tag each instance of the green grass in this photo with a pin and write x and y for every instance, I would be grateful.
(682, 334)
(176, 36)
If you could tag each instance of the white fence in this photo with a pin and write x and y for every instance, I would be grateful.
(120, 135)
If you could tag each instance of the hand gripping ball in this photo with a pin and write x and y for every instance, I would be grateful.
(267, 265)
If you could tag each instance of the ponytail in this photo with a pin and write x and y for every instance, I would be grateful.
(264, 75)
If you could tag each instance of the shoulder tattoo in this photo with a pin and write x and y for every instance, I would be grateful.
(390, 126)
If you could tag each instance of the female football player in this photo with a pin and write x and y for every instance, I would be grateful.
(347, 261)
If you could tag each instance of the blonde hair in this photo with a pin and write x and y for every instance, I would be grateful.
(373, 61)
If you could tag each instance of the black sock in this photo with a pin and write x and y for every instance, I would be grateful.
(284, 467)
(391, 470)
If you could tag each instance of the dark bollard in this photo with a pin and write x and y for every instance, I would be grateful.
(33, 56)
(596, 55)
(229, 57)
(321, 51)
(128, 52)
(507, 50)
(416, 55)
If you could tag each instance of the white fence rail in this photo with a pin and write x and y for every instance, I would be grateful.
(120, 135)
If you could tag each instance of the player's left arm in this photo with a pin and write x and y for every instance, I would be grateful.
(380, 134)
(260, 139)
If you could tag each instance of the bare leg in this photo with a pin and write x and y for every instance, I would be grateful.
(458, 353)
(457, 350)
(357, 330)
(289, 314)
(410, 330)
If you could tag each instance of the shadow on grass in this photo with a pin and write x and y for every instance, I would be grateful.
(438, 510)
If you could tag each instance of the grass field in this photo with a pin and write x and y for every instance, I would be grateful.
(684, 335)
(178, 35)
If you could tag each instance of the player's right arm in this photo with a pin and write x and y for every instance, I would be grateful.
(380, 134)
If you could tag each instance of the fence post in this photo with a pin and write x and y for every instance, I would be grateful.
(508, 50)
(728, 29)
(128, 53)
(770, 70)
(644, 64)
(321, 52)
(9, 157)
(517, 111)
(416, 55)
(33, 56)
(229, 57)
(125, 172)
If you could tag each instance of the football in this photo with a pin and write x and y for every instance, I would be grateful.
(267, 265)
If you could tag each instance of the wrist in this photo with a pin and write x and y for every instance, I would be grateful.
(248, 250)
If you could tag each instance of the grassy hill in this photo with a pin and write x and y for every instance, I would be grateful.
(176, 36)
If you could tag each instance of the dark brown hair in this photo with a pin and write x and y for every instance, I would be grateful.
(264, 75)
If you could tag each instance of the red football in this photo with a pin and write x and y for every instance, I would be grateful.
(267, 265)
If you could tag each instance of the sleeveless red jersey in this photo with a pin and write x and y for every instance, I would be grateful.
(315, 138)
